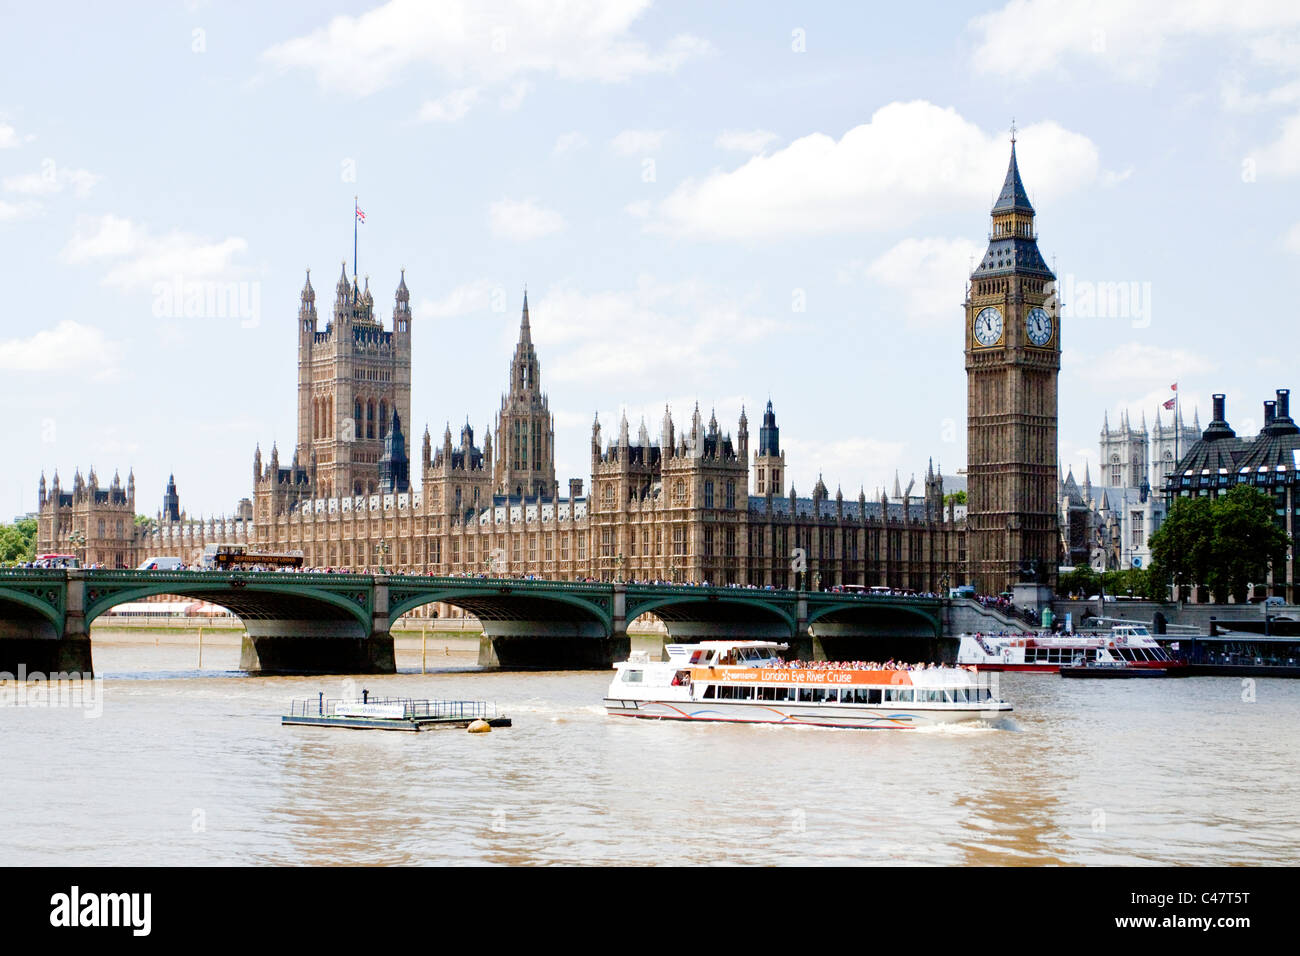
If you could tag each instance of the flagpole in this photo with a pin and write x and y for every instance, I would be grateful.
(355, 207)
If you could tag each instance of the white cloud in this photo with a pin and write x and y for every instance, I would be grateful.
(52, 179)
(11, 212)
(568, 143)
(451, 107)
(467, 298)
(869, 462)
(909, 160)
(1138, 365)
(9, 138)
(1282, 156)
(69, 346)
(927, 273)
(522, 219)
(490, 41)
(639, 209)
(136, 258)
(1291, 241)
(638, 142)
(745, 141)
(513, 98)
(653, 333)
(1029, 37)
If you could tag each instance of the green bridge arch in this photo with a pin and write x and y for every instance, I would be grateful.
(494, 601)
(230, 591)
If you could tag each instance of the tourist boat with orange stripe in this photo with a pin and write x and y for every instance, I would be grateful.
(749, 682)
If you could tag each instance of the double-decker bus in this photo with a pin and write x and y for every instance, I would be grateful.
(238, 557)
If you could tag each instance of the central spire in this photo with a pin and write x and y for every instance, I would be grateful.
(1013, 197)
(525, 333)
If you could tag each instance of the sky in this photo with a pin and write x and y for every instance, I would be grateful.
(723, 204)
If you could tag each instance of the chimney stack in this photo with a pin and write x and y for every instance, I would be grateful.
(1270, 412)
(1284, 403)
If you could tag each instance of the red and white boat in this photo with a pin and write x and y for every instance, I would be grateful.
(1126, 646)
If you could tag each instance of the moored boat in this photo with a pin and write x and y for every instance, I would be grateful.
(748, 682)
(1127, 646)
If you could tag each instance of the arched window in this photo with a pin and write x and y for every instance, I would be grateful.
(383, 419)
(370, 419)
(1115, 470)
(356, 428)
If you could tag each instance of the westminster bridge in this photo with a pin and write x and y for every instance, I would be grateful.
(298, 622)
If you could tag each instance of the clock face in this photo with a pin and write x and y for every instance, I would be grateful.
(988, 326)
(1039, 326)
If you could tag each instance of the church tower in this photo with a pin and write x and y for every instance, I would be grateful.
(352, 378)
(769, 460)
(1013, 358)
(525, 450)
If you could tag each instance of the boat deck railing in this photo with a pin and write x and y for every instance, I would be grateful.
(413, 709)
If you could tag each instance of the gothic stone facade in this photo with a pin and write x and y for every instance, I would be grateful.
(678, 508)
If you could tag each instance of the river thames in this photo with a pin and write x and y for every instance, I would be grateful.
(193, 768)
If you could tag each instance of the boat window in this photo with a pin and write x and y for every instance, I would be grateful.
(895, 695)
(812, 695)
(767, 693)
(695, 658)
(710, 692)
(632, 677)
(784, 693)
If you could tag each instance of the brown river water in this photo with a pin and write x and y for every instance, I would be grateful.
(189, 767)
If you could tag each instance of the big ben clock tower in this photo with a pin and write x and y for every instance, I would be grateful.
(1013, 357)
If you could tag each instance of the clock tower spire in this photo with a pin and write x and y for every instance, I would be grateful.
(1013, 358)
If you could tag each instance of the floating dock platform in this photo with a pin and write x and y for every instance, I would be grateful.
(391, 713)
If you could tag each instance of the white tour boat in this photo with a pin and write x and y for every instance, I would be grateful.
(748, 682)
(1127, 645)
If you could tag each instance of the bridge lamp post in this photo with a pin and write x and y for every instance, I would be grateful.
(381, 551)
(817, 580)
(672, 570)
(618, 568)
(77, 538)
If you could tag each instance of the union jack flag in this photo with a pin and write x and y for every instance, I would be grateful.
(361, 216)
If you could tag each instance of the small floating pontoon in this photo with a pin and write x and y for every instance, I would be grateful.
(391, 713)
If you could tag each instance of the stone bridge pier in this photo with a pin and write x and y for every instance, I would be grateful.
(554, 637)
(318, 640)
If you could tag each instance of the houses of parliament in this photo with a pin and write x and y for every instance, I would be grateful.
(698, 502)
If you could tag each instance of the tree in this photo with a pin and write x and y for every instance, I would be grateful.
(1225, 543)
(1246, 542)
(956, 497)
(1082, 580)
(1180, 549)
(18, 541)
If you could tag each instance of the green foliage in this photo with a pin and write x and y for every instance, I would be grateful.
(18, 541)
(1082, 581)
(956, 497)
(1224, 543)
